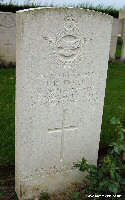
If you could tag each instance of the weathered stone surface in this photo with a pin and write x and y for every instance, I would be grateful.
(62, 61)
(121, 14)
(123, 45)
(121, 18)
(7, 37)
(114, 37)
(120, 27)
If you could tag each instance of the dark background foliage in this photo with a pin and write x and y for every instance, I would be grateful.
(15, 7)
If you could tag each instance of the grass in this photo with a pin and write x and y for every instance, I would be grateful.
(114, 106)
(7, 113)
(118, 51)
(119, 48)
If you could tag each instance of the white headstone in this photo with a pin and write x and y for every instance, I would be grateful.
(121, 18)
(7, 37)
(121, 14)
(62, 61)
(114, 37)
(123, 45)
(120, 27)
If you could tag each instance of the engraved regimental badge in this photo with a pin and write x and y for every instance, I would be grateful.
(67, 45)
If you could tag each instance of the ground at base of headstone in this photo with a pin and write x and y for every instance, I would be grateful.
(7, 187)
(72, 191)
(7, 183)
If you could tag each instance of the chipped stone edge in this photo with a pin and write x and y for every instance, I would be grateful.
(64, 8)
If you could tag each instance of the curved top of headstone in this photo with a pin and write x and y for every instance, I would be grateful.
(93, 12)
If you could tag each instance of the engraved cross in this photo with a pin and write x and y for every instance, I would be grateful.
(70, 128)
